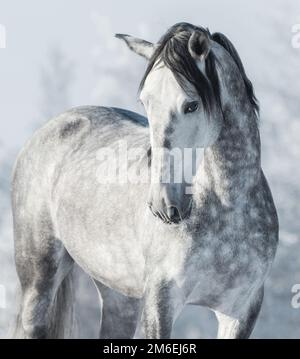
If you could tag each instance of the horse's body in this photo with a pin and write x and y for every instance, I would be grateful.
(145, 269)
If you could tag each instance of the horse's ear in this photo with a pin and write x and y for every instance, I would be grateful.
(141, 47)
(199, 45)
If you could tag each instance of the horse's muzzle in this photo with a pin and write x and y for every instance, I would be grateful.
(171, 214)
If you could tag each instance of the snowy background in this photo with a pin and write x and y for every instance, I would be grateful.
(61, 54)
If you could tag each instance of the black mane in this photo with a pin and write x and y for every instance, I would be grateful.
(172, 50)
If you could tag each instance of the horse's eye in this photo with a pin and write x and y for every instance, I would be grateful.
(191, 107)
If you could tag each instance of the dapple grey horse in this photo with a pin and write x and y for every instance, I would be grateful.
(150, 246)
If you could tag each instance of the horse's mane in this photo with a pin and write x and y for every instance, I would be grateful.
(222, 40)
(172, 50)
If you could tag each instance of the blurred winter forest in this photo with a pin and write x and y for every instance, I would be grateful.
(262, 34)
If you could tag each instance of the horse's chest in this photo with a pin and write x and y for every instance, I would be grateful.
(221, 266)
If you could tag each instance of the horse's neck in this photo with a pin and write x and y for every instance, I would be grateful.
(231, 167)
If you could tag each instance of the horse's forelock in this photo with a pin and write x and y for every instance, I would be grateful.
(173, 51)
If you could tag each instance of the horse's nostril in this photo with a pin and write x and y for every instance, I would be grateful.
(174, 215)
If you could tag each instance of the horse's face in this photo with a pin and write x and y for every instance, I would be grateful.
(176, 116)
(179, 125)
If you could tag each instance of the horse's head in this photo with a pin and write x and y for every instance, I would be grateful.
(182, 106)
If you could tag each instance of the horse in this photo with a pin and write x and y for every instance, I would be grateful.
(155, 245)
